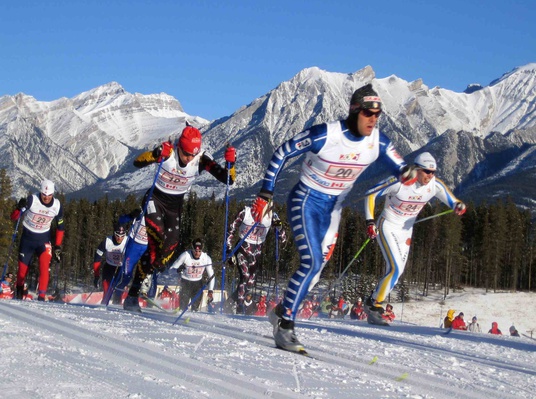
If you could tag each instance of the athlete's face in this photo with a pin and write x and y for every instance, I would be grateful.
(197, 253)
(366, 120)
(184, 156)
(424, 176)
(46, 198)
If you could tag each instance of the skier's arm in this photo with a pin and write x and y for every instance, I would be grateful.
(233, 228)
(446, 196)
(160, 153)
(208, 164)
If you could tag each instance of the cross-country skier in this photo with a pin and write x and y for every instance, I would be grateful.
(337, 153)
(395, 225)
(249, 252)
(39, 210)
(111, 250)
(182, 164)
(191, 265)
(134, 248)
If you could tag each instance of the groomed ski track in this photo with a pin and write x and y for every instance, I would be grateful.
(213, 356)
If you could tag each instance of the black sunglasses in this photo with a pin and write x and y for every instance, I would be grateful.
(187, 153)
(367, 113)
(428, 171)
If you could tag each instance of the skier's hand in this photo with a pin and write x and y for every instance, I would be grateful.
(135, 213)
(230, 155)
(372, 230)
(22, 204)
(96, 281)
(163, 152)
(260, 206)
(408, 175)
(57, 253)
(460, 208)
(277, 223)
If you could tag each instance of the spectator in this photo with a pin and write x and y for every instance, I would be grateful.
(335, 312)
(447, 323)
(6, 287)
(211, 307)
(343, 306)
(474, 326)
(25, 294)
(358, 312)
(459, 323)
(261, 306)
(249, 306)
(315, 304)
(169, 296)
(388, 315)
(325, 306)
(495, 329)
(272, 303)
(306, 312)
(513, 332)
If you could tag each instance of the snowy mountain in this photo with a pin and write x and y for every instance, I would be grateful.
(52, 350)
(483, 138)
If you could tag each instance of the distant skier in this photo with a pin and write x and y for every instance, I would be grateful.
(111, 250)
(182, 164)
(248, 254)
(191, 265)
(336, 154)
(39, 210)
(395, 225)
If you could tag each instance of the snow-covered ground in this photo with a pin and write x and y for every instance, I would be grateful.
(52, 350)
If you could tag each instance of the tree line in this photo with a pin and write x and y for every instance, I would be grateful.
(491, 246)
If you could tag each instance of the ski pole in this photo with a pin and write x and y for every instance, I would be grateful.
(111, 288)
(224, 247)
(434, 216)
(13, 238)
(389, 181)
(347, 267)
(195, 298)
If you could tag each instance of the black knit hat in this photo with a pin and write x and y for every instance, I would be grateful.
(197, 243)
(365, 98)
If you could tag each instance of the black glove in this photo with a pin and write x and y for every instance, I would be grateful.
(57, 252)
(277, 223)
(180, 269)
(135, 213)
(96, 281)
(161, 269)
(22, 203)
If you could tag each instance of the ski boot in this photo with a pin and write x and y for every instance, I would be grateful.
(286, 339)
(276, 315)
(374, 311)
(132, 304)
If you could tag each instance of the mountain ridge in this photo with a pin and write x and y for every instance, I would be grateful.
(86, 143)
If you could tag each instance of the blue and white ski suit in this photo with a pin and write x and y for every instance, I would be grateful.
(335, 158)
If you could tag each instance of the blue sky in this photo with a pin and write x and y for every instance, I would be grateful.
(215, 56)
